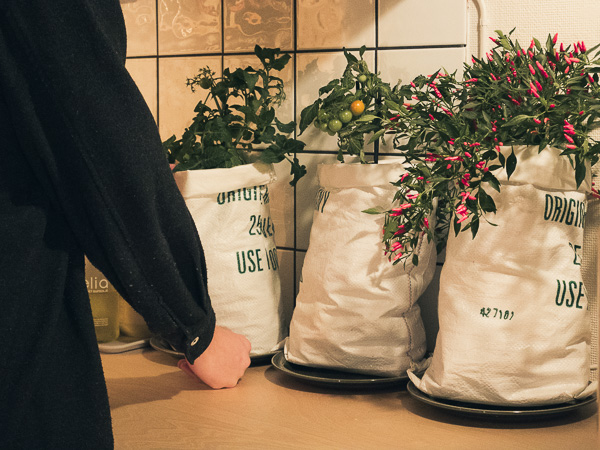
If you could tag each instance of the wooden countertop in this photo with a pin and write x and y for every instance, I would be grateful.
(156, 406)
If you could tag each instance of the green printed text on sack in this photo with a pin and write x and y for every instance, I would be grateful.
(250, 194)
(261, 226)
(257, 260)
(569, 293)
(321, 199)
(564, 210)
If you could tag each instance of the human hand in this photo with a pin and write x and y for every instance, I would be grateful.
(223, 362)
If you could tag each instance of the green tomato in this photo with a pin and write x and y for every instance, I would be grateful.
(334, 125)
(323, 126)
(323, 116)
(345, 115)
(362, 78)
(205, 83)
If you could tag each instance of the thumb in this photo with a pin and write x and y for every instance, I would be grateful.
(185, 367)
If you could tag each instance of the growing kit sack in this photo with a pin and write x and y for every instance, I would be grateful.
(355, 311)
(230, 208)
(513, 310)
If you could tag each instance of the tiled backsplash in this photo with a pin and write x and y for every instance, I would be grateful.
(169, 40)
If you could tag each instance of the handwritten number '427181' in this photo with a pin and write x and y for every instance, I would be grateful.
(492, 313)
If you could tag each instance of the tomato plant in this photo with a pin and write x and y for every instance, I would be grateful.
(243, 116)
(352, 107)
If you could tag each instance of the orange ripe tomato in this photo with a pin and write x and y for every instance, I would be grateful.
(357, 107)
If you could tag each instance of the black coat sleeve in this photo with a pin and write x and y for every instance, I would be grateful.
(92, 142)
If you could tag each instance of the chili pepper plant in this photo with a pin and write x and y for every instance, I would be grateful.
(238, 115)
(542, 94)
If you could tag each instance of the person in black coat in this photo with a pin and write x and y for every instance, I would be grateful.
(82, 172)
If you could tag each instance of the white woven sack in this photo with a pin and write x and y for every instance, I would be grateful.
(231, 211)
(513, 310)
(355, 311)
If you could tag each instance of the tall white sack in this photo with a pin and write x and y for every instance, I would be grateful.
(355, 311)
(231, 211)
(513, 310)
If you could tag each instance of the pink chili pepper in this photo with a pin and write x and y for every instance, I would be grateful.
(590, 78)
(538, 121)
(583, 48)
(562, 47)
(532, 44)
(552, 105)
(555, 38)
(581, 113)
(462, 219)
(571, 146)
(530, 53)
(451, 141)
(403, 177)
(413, 84)
(401, 230)
(538, 85)
(449, 166)
(480, 164)
(531, 69)
(569, 138)
(426, 223)
(431, 117)
(468, 155)
(567, 69)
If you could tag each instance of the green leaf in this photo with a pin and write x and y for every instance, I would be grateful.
(491, 180)
(511, 164)
(377, 135)
(474, 226)
(516, 120)
(279, 63)
(580, 171)
(350, 58)
(285, 127)
(366, 118)
(375, 210)
(308, 115)
(415, 259)
(251, 79)
(486, 201)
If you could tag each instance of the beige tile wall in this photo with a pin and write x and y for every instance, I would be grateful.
(169, 40)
